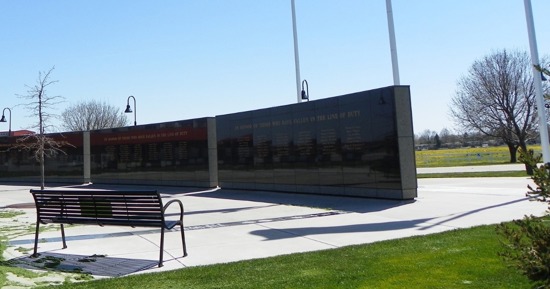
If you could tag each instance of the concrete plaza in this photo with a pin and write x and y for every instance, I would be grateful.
(228, 225)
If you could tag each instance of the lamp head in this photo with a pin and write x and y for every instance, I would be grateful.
(3, 119)
(128, 109)
(304, 95)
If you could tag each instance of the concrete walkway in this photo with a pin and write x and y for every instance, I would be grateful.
(466, 169)
(228, 225)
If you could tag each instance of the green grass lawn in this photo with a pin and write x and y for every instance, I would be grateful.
(474, 175)
(465, 156)
(457, 259)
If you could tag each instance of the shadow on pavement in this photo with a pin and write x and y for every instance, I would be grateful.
(275, 234)
(332, 202)
(329, 202)
(97, 265)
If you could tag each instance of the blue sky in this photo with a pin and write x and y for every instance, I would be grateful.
(184, 59)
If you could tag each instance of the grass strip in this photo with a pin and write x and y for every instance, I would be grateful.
(465, 258)
(474, 174)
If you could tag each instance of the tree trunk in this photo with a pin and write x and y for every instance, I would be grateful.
(513, 152)
(42, 172)
(528, 168)
(41, 138)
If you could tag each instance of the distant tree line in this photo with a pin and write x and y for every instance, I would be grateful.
(429, 139)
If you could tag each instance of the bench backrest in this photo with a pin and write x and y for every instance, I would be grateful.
(124, 208)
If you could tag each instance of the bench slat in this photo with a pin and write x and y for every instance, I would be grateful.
(129, 208)
(105, 222)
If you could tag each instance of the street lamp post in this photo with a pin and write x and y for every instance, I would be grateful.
(537, 80)
(3, 119)
(296, 54)
(393, 46)
(129, 109)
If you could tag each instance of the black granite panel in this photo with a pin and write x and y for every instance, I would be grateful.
(331, 177)
(225, 141)
(356, 130)
(70, 161)
(236, 147)
(347, 141)
(304, 124)
(263, 147)
(329, 134)
(21, 163)
(318, 146)
(153, 151)
(283, 148)
(262, 140)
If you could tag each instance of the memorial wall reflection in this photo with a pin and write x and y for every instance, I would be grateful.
(346, 141)
(345, 145)
(165, 153)
(17, 159)
(174, 151)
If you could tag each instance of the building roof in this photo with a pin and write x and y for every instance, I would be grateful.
(16, 133)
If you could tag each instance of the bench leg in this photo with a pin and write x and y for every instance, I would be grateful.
(36, 239)
(63, 236)
(183, 241)
(161, 246)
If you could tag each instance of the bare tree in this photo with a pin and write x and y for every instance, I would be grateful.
(497, 98)
(92, 115)
(426, 137)
(40, 104)
(445, 135)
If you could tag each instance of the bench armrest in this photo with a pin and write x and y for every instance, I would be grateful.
(180, 205)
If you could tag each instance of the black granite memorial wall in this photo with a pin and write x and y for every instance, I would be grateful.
(18, 163)
(172, 153)
(359, 144)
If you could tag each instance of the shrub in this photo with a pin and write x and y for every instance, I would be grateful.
(528, 248)
(527, 242)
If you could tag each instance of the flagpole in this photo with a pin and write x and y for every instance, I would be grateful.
(537, 80)
(393, 45)
(296, 55)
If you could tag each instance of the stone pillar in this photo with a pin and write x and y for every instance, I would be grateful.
(405, 139)
(212, 152)
(86, 156)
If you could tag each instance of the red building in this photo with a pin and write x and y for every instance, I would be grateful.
(16, 133)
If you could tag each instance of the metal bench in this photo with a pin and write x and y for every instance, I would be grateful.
(105, 208)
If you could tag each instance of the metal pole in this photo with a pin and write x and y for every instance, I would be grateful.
(9, 131)
(135, 111)
(4, 119)
(393, 46)
(543, 130)
(296, 55)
